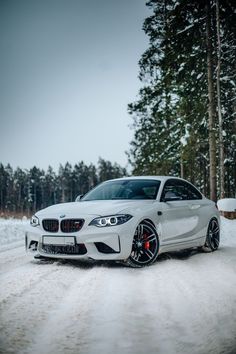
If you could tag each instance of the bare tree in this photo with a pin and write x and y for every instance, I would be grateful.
(221, 142)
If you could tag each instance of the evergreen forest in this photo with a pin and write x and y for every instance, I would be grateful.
(26, 191)
(184, 118)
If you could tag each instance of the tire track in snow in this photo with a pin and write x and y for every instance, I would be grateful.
(174, 306)
(23, 320)
(19, 282)
(17, 275)
(124, 320)
(166, 308)
(62, 331)
(12, 258)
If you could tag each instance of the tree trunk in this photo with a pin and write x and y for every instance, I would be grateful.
(221, 142)
(1, 200)
(35, 198)
(181, 166)
(211, 104)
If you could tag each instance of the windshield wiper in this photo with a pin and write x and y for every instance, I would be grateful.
(114, 198)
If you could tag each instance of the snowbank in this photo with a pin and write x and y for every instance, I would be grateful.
(12, 230)
(227, 204)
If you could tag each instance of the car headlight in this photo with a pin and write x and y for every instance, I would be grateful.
(111, 220)
(34, 221)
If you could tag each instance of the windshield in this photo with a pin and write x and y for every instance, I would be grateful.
(124, 189)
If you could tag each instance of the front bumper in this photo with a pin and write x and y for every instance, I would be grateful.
(91, 242)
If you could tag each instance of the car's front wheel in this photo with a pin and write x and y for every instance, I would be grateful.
(145, 245)
(212, 237)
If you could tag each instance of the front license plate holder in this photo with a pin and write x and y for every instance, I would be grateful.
(59, 240)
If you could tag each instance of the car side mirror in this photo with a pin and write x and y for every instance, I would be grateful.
(79, 197)
(171, 199)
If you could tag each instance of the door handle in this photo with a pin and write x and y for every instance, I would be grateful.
(195, 206)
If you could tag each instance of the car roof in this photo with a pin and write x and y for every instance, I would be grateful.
(159, 178)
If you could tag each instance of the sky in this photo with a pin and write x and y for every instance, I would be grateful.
(68, 70)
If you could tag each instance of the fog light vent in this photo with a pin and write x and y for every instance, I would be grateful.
(103, 248)
(33, 246)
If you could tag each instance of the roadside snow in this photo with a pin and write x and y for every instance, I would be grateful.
(227, 204)
(184, 303)
(11, 230)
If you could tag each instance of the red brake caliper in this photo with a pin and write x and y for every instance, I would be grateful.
(146, 243)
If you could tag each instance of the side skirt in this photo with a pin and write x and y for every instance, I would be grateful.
(183, 245)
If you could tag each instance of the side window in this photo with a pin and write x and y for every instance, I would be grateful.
(180, 189)
(191, 192)
(171, 189)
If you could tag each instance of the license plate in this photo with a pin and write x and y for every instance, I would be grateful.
(59, 240)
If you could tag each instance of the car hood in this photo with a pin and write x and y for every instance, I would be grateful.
(96, 208)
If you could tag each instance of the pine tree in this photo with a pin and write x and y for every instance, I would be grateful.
(173, 133)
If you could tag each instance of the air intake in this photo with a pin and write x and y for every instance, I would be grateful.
(71, 225)
(51, 225)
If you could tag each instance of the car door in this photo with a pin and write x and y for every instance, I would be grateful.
(179, 219)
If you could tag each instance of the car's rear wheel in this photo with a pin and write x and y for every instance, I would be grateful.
(145, 245)
(212, 237)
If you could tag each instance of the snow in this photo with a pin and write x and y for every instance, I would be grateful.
(199, 76)
(11, 230)
(186, 28)
(227, 204)
(184, 139)
(185, 302)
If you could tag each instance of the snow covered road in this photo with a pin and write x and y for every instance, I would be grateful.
(184, 303)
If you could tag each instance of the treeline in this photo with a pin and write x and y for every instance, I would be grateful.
(25, 191)
(185, 116)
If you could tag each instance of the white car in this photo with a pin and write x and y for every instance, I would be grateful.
(132, 219)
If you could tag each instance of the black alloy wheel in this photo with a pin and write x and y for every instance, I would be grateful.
(145, 245)
(213, 236)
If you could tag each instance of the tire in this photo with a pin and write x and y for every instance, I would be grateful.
(212, 237)
(145, 246)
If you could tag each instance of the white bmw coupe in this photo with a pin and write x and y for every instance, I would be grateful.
(132, 219)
